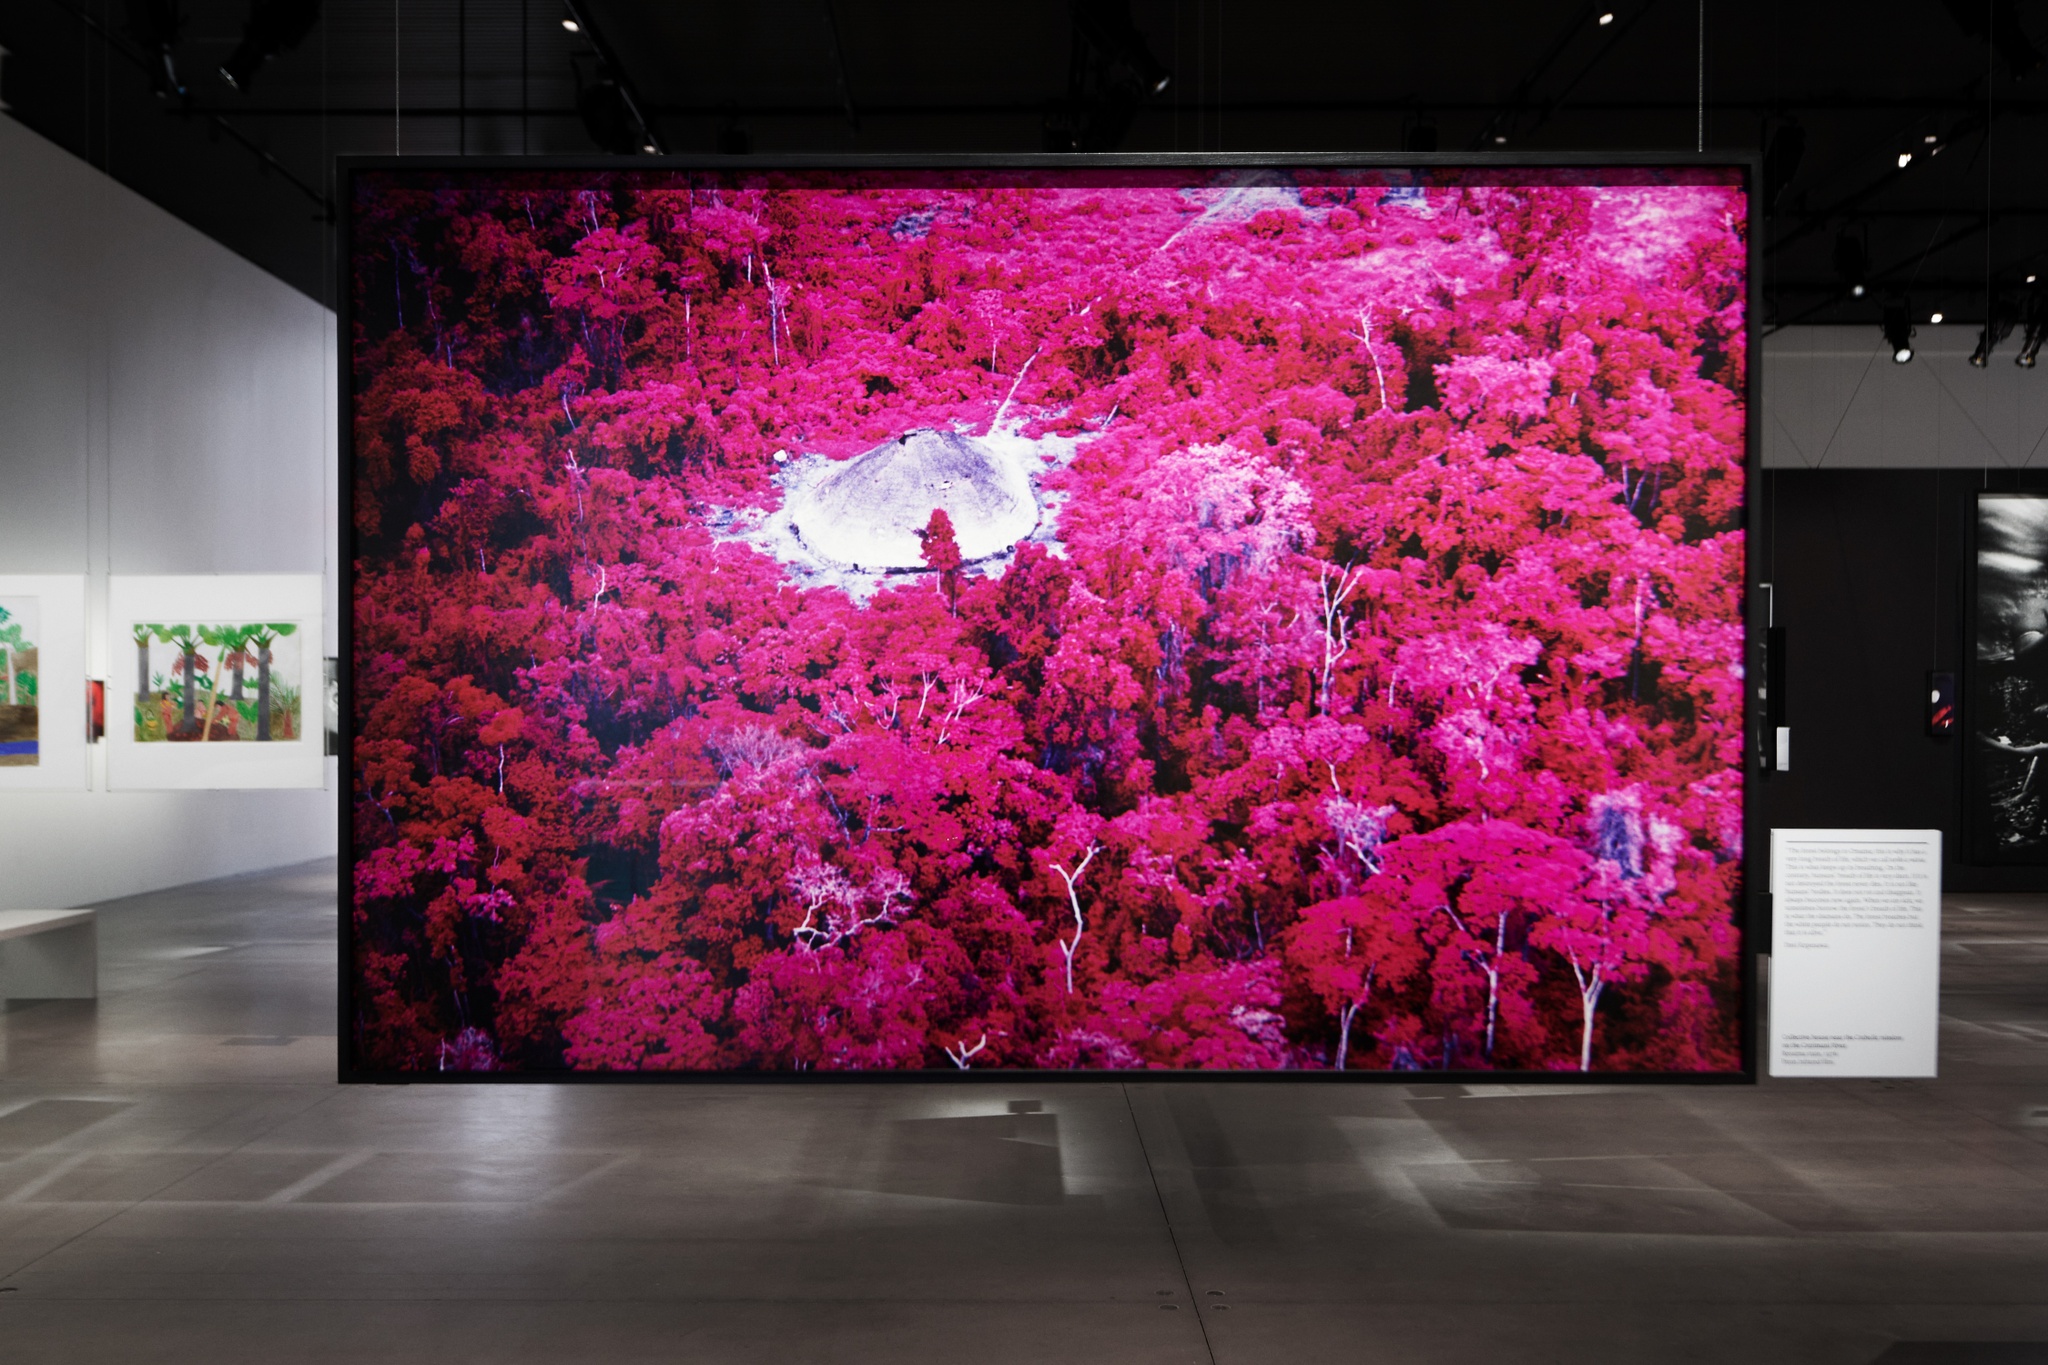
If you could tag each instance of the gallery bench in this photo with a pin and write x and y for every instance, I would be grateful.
(49, 955)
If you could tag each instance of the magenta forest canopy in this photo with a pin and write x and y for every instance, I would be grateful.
(1047, 619)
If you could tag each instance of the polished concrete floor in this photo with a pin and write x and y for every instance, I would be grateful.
(181, 1180)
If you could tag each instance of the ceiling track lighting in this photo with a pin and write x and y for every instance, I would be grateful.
(1898, 330)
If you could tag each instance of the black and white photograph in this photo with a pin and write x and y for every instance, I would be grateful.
(2006, 773)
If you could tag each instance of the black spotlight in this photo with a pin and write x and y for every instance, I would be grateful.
(1898, 330)
(1110, 74)
(1852, 260)
(608, 118)
(1996, 329)
(2036, 330)
(274, 27)
(155, 26)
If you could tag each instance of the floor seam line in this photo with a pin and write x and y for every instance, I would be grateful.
(1172, 1237)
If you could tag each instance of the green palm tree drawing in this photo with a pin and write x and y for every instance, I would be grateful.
(263, 637)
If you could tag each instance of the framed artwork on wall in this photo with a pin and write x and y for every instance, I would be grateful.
(2005, 711)
(218, 681)
(1191, 615)
(42, 682)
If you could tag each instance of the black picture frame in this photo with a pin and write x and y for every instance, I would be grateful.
(1752, 910)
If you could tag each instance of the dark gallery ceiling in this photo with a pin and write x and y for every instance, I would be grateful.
(1845, 92)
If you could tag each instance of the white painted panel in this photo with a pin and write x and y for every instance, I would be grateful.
(1855, 951)
(165, 408)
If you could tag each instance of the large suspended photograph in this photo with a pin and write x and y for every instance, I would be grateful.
(1182, 619)
(2007, 714)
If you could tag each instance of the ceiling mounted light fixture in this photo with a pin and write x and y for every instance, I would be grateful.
(1111, 73)
(1905, 160)
(1852, 260)
(1995, 331)
(1934, 318)
(1607, 19)
(1898, 330)
(2036, 331)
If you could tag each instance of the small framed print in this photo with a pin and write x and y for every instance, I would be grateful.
(222, 688)
(42, 677)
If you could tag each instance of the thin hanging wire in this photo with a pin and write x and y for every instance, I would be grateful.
(1701, 138)
(397, 85)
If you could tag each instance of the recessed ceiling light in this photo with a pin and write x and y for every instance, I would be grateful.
(1607, 19)
(1857, 291)
(1905, 160)
(1499, 138)
(1934, 318)
(1931, 137)
(571, 25)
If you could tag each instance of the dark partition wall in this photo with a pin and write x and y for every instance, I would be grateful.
(1182, 618)
(1870, 570)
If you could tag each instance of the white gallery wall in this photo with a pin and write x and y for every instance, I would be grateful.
(1834, 399)
(165, 408)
